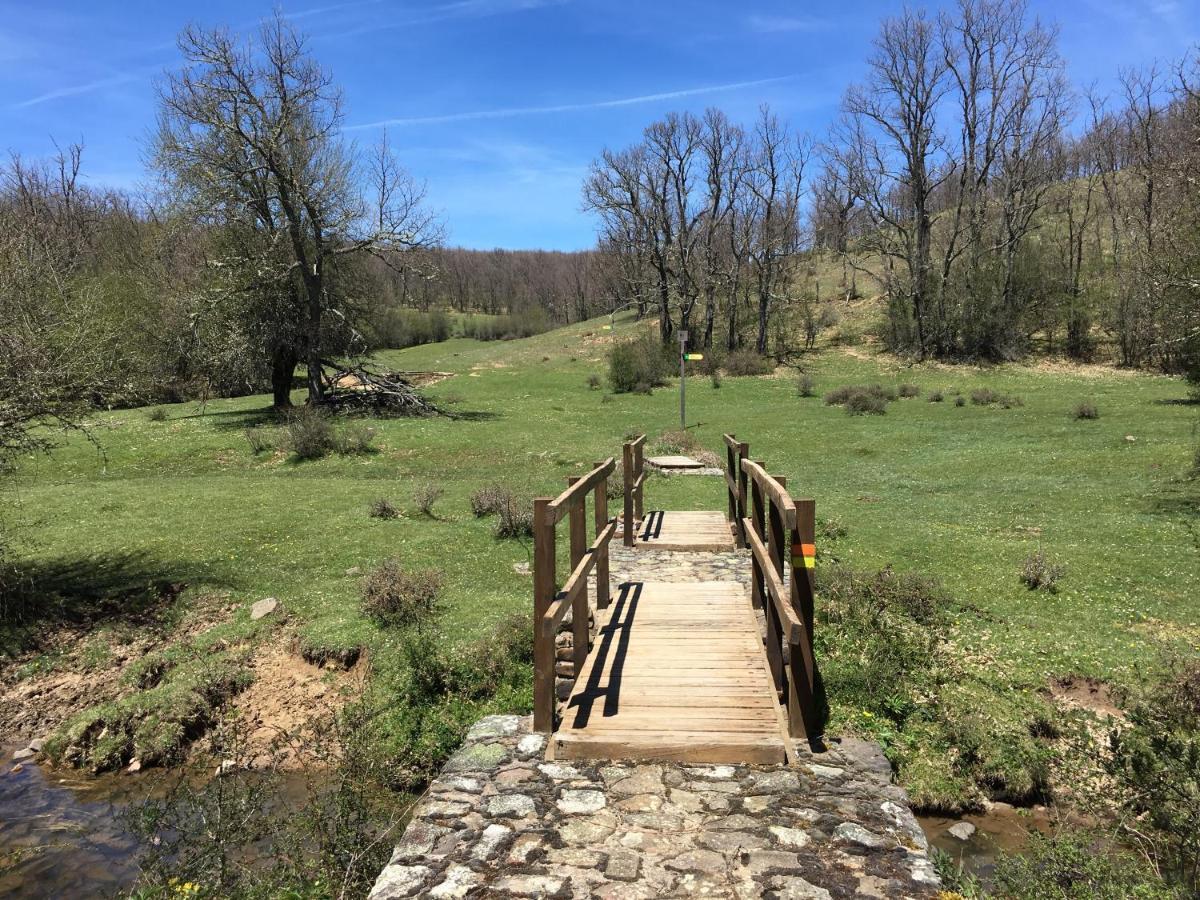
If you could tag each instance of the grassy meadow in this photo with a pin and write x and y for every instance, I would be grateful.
(964, 493)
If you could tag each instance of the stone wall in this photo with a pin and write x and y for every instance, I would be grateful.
(503, 822)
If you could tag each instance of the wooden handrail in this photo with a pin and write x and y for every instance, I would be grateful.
(577, 582)
(795, 631)
(776, 492)
(634, 476)
(735, 484)
(577, 492)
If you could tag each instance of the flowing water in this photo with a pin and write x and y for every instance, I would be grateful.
(61, 833)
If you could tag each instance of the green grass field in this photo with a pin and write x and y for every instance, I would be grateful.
(963, 493)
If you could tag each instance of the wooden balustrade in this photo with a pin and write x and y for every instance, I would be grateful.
(735, 484)
(781, 534)
(550, 604)
(633, 464)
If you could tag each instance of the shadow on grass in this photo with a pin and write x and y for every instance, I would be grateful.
(238, 419)
(134, 588)
(1177, 401)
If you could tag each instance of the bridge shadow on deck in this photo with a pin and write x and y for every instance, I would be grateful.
(612, 638)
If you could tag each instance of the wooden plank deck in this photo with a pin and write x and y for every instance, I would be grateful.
(677, 672)
(698, 531)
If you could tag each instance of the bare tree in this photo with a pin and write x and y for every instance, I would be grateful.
(249, 136)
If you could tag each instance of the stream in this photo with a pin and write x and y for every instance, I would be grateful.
(62, 834)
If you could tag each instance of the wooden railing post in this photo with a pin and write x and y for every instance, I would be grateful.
(627, 472)
(601, 518)
(743, 453)
(732, 466)
(639, 493)
(579, 609)
(804, 715)
(544, 588)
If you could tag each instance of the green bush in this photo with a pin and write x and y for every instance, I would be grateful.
(936, 397)
(1076, 865)
(805, 385)
(1086, 409)
(391, 595)
(841, 395)
(637, 366)
(861, 403)
(746, 362)
(909, 390)
(310, 434)
(1155, 761)
(157, 414)
(525, 323)
(593, 382)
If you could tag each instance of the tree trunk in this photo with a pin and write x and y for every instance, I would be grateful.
(283, 368)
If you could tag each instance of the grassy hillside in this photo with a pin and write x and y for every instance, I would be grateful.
(962, 493)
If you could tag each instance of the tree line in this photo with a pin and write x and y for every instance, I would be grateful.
(992, 205)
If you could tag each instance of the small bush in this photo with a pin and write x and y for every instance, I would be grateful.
(840, 395)
(862, 403)
(909, 390)
(637, 366)
(425, 496)
(1086, 409)
(258, 438)
(310, 434)
(715, 378)
(514, 518)
(831, 529)
(935, 397)
(593, 382)
(988, 397)
(393, 596)
(355, 439)
(960, 401)
(1039, 573)
(158, 414)
(382, 508)
(488, 500)
(742, 363)
(805, 386)
(675, 443)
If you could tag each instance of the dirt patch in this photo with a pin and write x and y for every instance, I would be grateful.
(288, 698)
(1087, 694)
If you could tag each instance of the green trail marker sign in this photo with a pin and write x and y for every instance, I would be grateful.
(693, 356)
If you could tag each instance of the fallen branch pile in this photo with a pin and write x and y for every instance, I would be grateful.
(356, 389)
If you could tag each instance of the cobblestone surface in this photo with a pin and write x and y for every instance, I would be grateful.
(501, 821)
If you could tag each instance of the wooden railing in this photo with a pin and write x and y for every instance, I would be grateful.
(550, 604)
(781, 535)
(735, 484)
(633, 464)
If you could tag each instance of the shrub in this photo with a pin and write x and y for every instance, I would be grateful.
(355, 439)
(1156, 763)
(1039, 573)
(637, 366)
(960, 401)
(425, 496)
(832, 529)
(805, 386)
(593, 382)
(715, 378)
(515, 518)
(861, 403)
(258, 438)
(158, 414)
(310, 434)
(936, 397)
(393, 596)
(675, 443)
(747, 362)
(840, 395)
(984, 396)
(382, 508)
(1076, 865)
(1086, 409)
(488, 500)
(909, 390)
(525, 323)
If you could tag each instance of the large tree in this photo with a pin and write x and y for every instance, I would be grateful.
(250, 140)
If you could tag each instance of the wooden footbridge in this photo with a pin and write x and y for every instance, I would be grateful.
(692, 671)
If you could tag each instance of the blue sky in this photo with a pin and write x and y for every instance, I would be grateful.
(499, 105)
